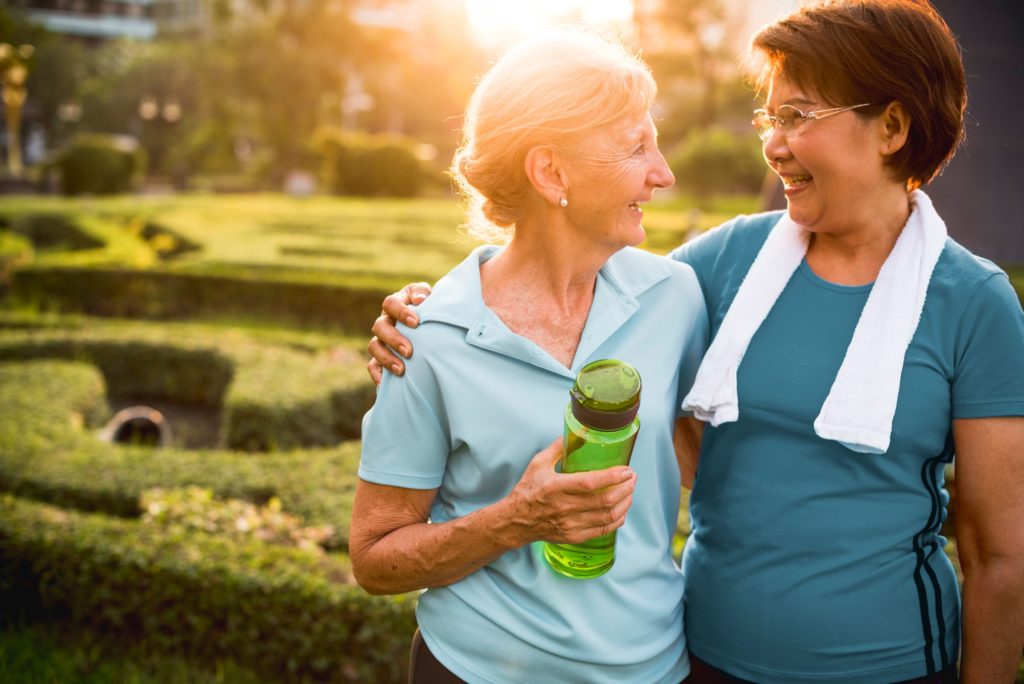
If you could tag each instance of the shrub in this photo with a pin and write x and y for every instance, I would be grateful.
(52, 231)
(132, 293)
(99, 165)
(283, 610)
(364, 165)
(15, 250)
(45, 455)
(274, 398)
(714, 160)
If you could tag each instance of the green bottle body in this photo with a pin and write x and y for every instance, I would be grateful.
(601, 426)
(585, 449)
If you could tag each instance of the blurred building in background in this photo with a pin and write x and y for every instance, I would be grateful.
(99, 20)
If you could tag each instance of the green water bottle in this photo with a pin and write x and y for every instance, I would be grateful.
(601, 426)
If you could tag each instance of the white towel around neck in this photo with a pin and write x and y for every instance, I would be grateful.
(859, 409)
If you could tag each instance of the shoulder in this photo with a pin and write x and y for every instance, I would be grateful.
(639, 271)
(960, 275)
(739, 238)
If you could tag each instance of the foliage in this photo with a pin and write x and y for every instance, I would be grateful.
(274, 398)
(99, 165)
(280, 609)
(196, 508)
(715, 160)
(364, 165)
(15, 250)
(56, 652)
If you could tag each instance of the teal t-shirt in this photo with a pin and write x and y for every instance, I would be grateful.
(810, 562)
(476, 403)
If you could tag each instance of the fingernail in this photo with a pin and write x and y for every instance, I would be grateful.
(418, 297)
(410, 320)
(396, 368)
(404, 351)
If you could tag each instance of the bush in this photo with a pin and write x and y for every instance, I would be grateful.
(364, 165)
(15, 250)
(51, 231)
(134, 293)
(283, 610)
(45, 455)
(100, 165)
(274, 398)
(715, 160)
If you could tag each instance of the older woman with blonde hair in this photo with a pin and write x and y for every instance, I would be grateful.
(559, 151)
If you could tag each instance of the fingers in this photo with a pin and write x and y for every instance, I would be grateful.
(384, 357)
(375, 370)
(384, 329)
(396, 305)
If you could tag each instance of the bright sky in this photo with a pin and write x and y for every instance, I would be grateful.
(502, 21)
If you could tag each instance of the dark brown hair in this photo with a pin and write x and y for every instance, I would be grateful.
(876, 51)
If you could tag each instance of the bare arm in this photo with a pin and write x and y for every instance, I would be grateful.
(686, 440)
(396, 307)
(394, 549)
(990, 542)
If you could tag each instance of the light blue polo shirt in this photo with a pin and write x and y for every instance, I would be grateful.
(810, 562)
(476, 403)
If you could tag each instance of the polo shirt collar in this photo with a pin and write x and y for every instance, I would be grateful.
(457, 301)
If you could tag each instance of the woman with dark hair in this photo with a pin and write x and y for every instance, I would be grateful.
(856, 349)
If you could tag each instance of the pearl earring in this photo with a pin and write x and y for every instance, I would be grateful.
(563, 203)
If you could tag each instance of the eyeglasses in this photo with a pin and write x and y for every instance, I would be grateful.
(791, 121)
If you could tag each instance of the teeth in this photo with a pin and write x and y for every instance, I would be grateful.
(795, 180)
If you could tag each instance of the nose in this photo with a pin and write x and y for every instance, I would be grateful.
(661, 175)
(775, 147)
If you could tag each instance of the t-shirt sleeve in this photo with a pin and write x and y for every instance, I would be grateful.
(989, 373)
(404, 441)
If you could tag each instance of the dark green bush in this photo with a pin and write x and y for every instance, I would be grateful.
(46, 455)
(52, 231)
(154, 294)
(365, 165)
(273, 397)
(99, 165)
(715, 160)
(286, 611)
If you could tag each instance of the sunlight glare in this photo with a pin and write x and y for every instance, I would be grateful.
(498, 22)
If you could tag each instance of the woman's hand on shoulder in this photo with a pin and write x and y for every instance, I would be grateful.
(386, 340)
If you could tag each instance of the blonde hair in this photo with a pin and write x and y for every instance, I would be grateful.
(553, 90)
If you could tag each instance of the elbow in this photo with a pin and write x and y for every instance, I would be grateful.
(365, 574)
(368, 574)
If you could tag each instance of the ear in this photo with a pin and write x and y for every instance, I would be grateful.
(547, 173)
(895, 127)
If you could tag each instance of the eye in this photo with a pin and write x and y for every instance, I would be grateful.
(641, 149)
(789, 116)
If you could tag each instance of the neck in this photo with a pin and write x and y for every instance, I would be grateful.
(545, 265)
(855, 255)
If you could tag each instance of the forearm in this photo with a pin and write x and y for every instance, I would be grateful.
(993, 620)
(423, 555)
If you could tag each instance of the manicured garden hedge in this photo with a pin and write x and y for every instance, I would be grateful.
(49, 452)
(273, 397)
(158, 294)
(286, 611)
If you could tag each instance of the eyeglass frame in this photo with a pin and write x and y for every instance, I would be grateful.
(796, 129)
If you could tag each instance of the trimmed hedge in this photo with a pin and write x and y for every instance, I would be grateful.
(165, 295)
(45, 455)
(282, 610)
(99, 165)
(274, 398)
(51, 231)
(368, 165)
